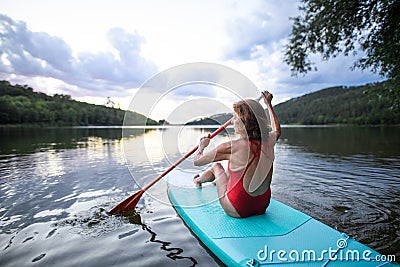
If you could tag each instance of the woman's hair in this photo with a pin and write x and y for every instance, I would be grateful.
(254, 118)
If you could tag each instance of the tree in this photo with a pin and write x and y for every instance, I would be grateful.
(21, 105)
(334, 27)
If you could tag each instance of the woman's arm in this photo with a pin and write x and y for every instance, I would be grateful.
(276, 127)
(221, 152)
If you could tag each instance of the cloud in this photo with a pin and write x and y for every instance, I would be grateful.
(38, 54)
(261, 36)
(266, 26)
(31, 53)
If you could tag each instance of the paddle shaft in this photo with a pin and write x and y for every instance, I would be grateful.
(188, 154)
(131, 202)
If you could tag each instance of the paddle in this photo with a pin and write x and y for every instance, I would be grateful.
(131, 202)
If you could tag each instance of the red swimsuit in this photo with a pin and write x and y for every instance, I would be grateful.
(245, 204)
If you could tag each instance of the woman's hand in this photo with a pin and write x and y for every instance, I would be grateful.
(199, 159)
(204, 142)
(267, 96)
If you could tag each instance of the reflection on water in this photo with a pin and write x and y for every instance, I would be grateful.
(57, 184)
(345, 140)
(16, 140)
(54, 167)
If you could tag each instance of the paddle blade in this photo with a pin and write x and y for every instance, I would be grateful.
(127, 205)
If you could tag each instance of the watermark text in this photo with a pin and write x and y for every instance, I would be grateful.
(330, 254)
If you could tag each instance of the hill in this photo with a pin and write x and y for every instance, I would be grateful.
(21, 105)
(362, 105)
(213, 120)
(368, 104)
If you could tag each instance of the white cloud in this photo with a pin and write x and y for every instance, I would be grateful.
(265, 26)
(38, 54)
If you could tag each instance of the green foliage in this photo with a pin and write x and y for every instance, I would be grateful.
(368, 104)
(21, 105)
(330, 28)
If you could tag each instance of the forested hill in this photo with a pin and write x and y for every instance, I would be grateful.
(363, 105)
(21, 105)
(367, 104)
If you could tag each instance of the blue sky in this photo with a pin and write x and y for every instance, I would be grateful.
(92, 50)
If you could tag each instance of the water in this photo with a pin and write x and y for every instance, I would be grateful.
(57, 184)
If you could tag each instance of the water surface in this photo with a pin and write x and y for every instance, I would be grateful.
(57, 184)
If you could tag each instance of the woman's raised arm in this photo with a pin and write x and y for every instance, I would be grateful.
(276, 127)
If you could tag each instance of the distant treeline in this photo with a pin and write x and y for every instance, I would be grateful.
(369, 104)
(21, 105)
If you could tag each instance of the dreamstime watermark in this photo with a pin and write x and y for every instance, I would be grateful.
(267, 255)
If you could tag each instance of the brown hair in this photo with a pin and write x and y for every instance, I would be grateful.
(253, 117)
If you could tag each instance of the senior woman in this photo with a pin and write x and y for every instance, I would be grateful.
(244, 189)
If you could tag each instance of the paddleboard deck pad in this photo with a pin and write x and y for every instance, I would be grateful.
(282, 236)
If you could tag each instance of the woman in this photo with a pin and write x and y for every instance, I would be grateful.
(244, 190)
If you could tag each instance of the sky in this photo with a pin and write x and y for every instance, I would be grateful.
(95, 49)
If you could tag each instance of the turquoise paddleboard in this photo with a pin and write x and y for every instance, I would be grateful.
(282, 236)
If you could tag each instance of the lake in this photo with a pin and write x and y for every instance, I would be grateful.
(57, 184)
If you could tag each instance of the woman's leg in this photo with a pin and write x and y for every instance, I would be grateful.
(221, 180)
(207, 176)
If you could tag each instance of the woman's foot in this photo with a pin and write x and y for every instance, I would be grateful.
(196, 180)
